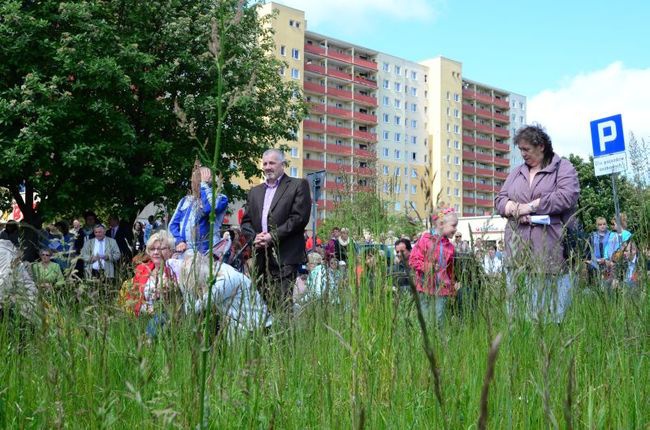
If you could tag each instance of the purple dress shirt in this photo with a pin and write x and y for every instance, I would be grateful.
(268, 199)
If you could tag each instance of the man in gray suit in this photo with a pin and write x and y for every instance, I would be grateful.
(277, 212)
(100, 255)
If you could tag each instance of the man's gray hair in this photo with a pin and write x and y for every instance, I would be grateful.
(277, 152)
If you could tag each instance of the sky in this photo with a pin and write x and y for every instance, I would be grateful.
(574, 60)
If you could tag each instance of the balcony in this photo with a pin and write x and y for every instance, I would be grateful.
(485, 203)
(333, 148)
(469, 125)
(317, 107)
(310, 125)
(344, 94)
(484, 143)
(469, 186)
(313, 145)
(332, 185)
(339, 56)
(338, 74)
(484, 128)
(501, 175)
(366, 82)
(469, 170)
(364, 153)
(338, 168)
(365, 63)
(469, 94)
(364, 135)
(469, 109)
(312, 87)
(501, 117)
(501, 132)
(315, 68)
(340, 131)
(364, 117)
(468, 200)
(341, 113)
(469, 156)
(370, 100)
(502, 147)
(484, 187)
(313, 164)
(501, 161)
(314, 49)
(486, 158)
(365, 171)
(485, 172)
(484, 113)
(469, 140)
(485, 98)
(503, 103)
(326, 204)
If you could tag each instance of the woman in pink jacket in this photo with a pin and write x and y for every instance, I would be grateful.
(432, 258)
(539, 199)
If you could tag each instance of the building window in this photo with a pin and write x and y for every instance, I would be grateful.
(457, 129)
(456, 192)
(398, 103)
(385, 67)
(448, 141)
(398, 120)
(414, 173)
(386, 188)
(386, 135)
(385, 152)
(295, 73)
(398, 87)
(414, 91)
(456, 113)
(456, 97)
(386, 101)
(397, 157)
(397, 172)
(386, 118)
(281, 71)
(406, 171)
(294, 152)
(398, 137)
(283, 51)
(295, 54)
(456, 176)
(398, 206)
(448, 112)
(456, 160)
(414, 75)
(456, 144)
(448, 174)
(386, 84)
(414, 189)
(414, 156)
(385, 169)
(398, 70)
(294, 172)
(414, 107)
(414, 140)
(447, 95)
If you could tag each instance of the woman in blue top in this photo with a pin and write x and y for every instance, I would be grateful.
(190, 224)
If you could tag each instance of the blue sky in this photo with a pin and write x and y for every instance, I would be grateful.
(577, 59)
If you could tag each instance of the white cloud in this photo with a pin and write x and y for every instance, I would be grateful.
(358, 15)
(566, 112)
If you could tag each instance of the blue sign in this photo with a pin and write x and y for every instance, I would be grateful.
(607, 136)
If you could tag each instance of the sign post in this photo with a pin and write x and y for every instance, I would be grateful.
(316, 181)
(608, 144)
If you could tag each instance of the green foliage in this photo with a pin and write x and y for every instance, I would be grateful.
(596, 197)
(367, 211)
(88, 92)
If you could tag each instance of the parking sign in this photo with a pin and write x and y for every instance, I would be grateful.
(608, 143)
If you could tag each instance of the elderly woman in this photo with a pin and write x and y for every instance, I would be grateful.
(539, 199)
(47, 274)
(152, 277)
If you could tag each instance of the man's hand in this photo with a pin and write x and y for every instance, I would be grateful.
(181, 247)
(511, 208)
(95, 258)
(262, 240)
(206, 175)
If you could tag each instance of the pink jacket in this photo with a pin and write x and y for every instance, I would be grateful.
(432, 258)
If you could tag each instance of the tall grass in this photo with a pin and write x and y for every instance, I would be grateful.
(357, 363)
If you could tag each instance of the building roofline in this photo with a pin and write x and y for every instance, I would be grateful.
(272, 4)
(342, 42)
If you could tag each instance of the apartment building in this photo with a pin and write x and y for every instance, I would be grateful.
(402, 148)
(378, 122)
(517, 120)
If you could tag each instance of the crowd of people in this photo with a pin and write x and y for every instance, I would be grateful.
(270, 268)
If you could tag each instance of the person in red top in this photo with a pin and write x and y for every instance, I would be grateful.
(432, 259)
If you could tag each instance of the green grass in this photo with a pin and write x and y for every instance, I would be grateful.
(359, 363)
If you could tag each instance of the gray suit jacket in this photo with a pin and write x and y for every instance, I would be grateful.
(111, 250)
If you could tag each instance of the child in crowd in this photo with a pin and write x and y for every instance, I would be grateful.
(432, 259)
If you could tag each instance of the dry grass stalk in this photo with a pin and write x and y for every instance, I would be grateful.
(489, 375)
(568, 404)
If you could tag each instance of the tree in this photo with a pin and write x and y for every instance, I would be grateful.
(596, 197)
(88, 91)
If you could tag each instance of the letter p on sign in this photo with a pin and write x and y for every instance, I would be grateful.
(607, 136)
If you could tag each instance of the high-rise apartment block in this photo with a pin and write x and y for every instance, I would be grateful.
(384, 123)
